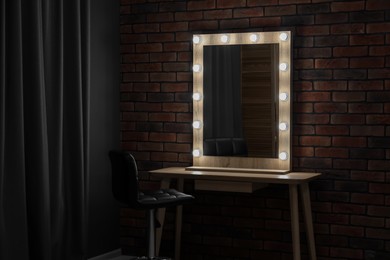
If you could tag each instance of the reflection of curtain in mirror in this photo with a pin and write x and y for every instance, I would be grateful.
(222, 95)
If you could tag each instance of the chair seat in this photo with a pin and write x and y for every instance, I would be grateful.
(162, 198)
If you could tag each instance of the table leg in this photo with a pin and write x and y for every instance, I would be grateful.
(294, 220)
(308, 219)
(179, 214)
(165, 183)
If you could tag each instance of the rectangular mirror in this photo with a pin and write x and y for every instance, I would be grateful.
(242, 85)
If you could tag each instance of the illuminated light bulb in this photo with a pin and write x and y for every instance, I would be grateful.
(196, 153)
(196, 39)
(196, 96)
(283, 66)
(197, 124)
(283, 126)
(283, 156)
(253, 37)
(283, 96)
(283, 36)
(196, 68)
(224, 38)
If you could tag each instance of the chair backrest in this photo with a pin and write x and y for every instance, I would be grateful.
(124, 177)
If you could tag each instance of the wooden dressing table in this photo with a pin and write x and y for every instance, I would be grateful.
(294, 180)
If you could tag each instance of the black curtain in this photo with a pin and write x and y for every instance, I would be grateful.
(44, 124)
(222, 91)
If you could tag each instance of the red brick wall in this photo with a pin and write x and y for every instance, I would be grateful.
(340, 114)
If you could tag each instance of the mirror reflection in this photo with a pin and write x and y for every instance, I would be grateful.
(240, 99)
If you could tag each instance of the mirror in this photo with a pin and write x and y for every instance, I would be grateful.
(242, 100)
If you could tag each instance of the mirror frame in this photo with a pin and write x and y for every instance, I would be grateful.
(283, 39)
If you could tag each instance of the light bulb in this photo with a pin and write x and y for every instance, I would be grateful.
(196, 96)
(224, 38)
(253, 37)
(197, 124)
(196, 153)
(283, 156)
(283, 96)
(283, 36)
(196, 68)
(196, 39)
(283, 66)
(283, 126)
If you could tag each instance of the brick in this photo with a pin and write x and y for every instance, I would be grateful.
(146, 87)
(332, 218)
(378, 96)
(160, 97)
(379, 211)
(174, 27)
(176, 46)
(331, 18)
(201, 5)
(159, 17)
(135, 58)
(346, 252)
(248, 12)
(134, 136)
(147, 107)
(350, 51)
(312, 119)
(378, 165)
(378, 119)
(265, 21)
(303, 151)
(149, 146)
(218, 14)
(333, 196)
(236, 23)
(379, 73)
(176, 66)
(321, 41)
(203, 25)
(330, 85)
(367, 176)
(367, 16)
(298, 20)
(349, 208)
(127, 68)
(280, 10)
(148, 47)
(162, 137)
(329, 240)
(330, 108)
(314, 52)
(315, 163)
(146, 28)
(352, 186)
(303, 64)
(365, 85)
(164, 156)
(331, 63)
(303, 107)
(367, 62)
(144, 67)
(378, 28)
(367, 39)
(127, 48)
(162, 117)
(314, 8)
(379, 142)
(172, 6)
(313, 96)
(348, 96)
(355, 164)
(350, 28)
(175, 107)
(349, 141)
(149, 126)
(367, 130)
(303, 42)
(184, 117)
(313, 30)
(347, 6)
(188, 16)
(174, 87)
(380, 188)
(331, 130)
(178, 127)
(172, 147)
(262, 3)
(367, 243)
(315, 141)
(350, 74)
(379, 233)
(347, 119)
(303, 130)
(163, 57)
(135, 77)
(377, 5)
(379, 50)
(230, 3)
(347, 230)
(331, 152)
(133, 38)
(315, 74)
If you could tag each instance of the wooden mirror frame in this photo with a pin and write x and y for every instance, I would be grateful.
(281, 164)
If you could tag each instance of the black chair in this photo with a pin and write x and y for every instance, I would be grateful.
(125, 189)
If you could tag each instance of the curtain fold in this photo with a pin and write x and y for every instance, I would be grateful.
(44, 129)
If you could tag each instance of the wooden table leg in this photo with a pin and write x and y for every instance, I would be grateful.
(165, 183)
(294, 221)
(308, 219)
(179, 214)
